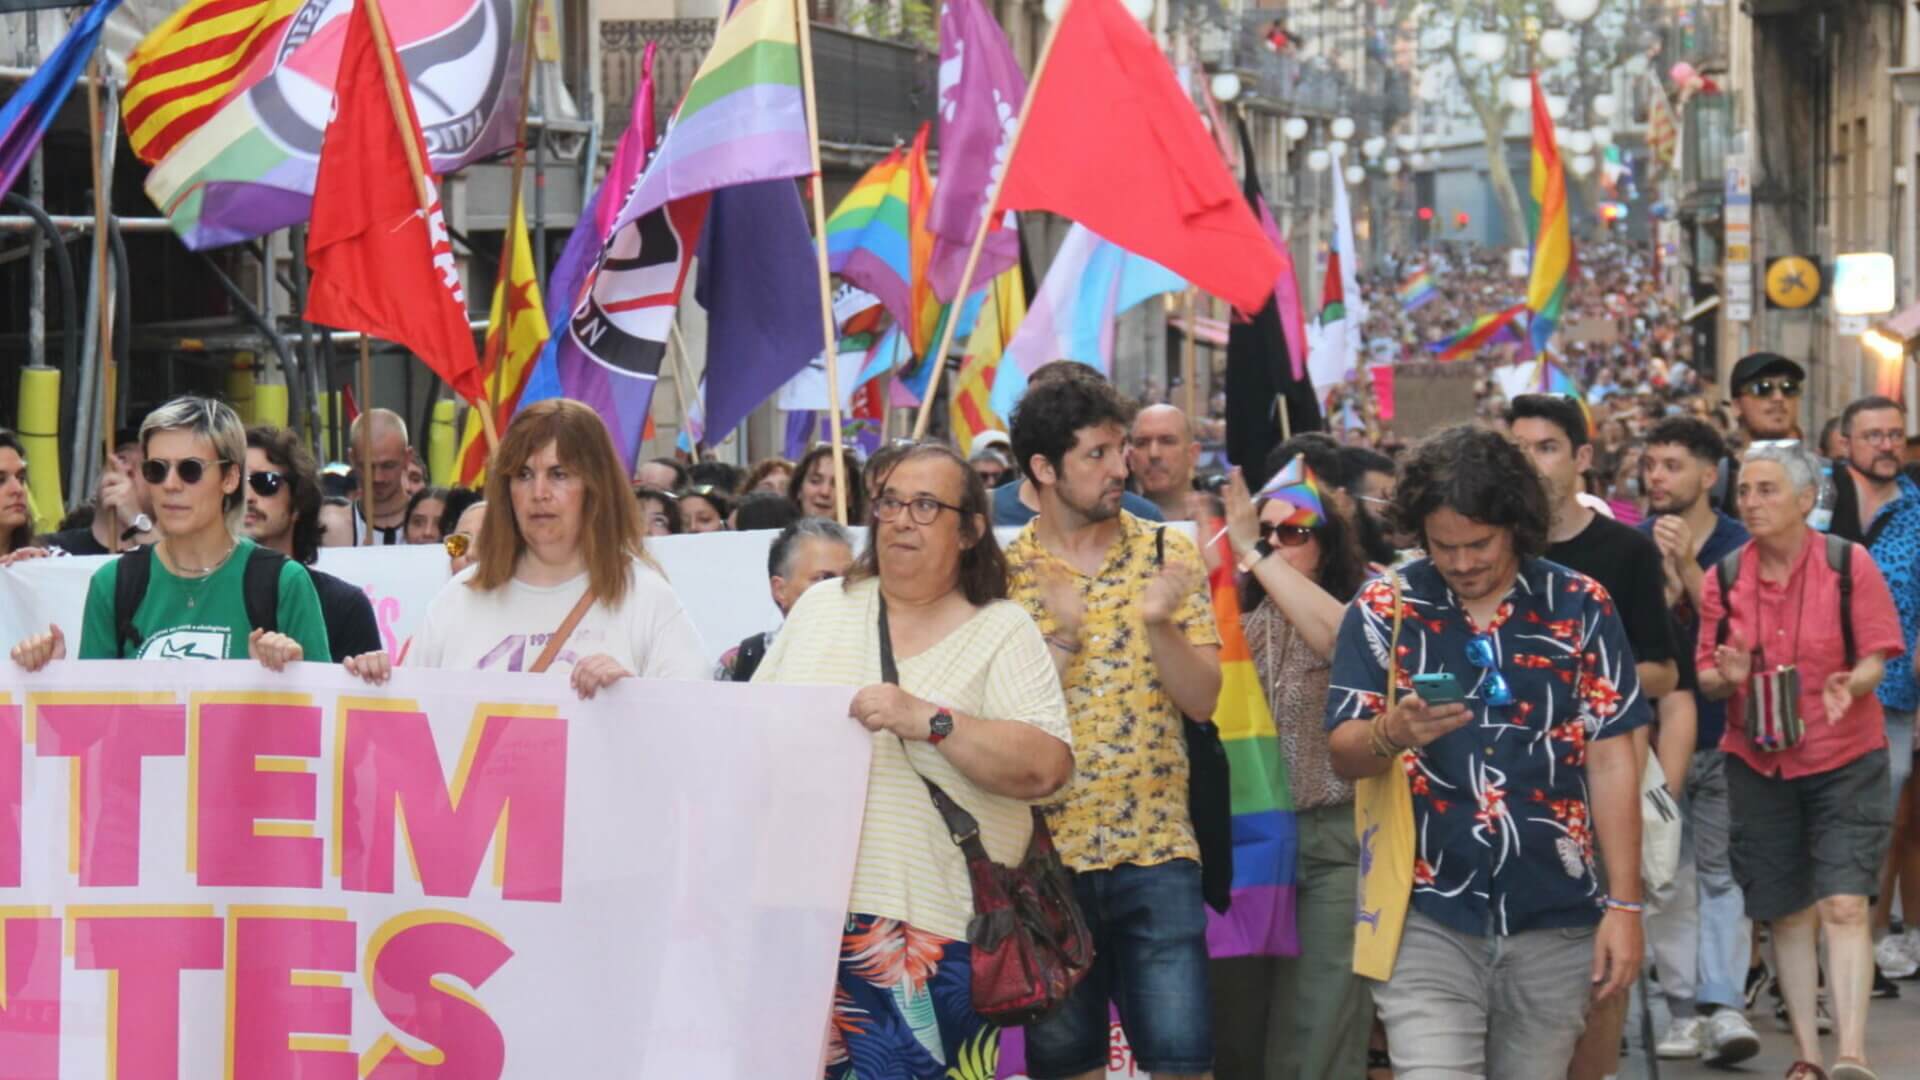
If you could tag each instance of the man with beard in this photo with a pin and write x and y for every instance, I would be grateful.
(1370, 481)
(283, 513)
(1879, 506)
(1697, 926)
(1124, 608)
(1162, 452)
(1766, 401)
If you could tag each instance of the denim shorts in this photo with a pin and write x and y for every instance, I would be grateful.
(1149, 929)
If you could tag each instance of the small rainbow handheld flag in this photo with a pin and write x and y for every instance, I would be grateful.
(1418, 291)
(1485, 330)
(1296, 486)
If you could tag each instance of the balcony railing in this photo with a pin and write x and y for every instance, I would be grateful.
(871, 92)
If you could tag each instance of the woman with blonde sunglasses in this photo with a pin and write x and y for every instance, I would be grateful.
(203, 591)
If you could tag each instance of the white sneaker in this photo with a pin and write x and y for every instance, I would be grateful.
(1730, 1038)
(1683, 1038)
(1895, 957)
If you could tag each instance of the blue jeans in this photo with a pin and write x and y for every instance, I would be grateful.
(1697, 927)
(1149, 929)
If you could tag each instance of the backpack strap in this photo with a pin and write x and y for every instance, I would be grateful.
(130, 576)
(261, 586)
(1726, 571)
(1840, 558)
(1160, 545)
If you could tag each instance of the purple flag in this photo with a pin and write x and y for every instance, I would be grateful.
(981, 88)
(26, 115)
(760, 283)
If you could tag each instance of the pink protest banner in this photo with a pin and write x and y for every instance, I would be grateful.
(209, 870)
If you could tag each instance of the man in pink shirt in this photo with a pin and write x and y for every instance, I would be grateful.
(1807, 776)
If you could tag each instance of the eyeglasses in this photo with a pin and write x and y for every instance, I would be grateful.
(264, 484)
(1285, 535)
(155, 470)
(923, 508)
(1480, 654)
(457, 545)
(1768, 387)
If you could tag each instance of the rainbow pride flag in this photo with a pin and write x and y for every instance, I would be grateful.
(1418, 291)
(1266, 839)
(869, 235)
(1296, 486)
(1553, 264)
(1486, 330)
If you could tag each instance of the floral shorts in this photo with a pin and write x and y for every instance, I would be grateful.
(903, 1008)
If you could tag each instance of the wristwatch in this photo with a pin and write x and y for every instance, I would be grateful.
(1261, 549)
(141, 524)
(939, 727)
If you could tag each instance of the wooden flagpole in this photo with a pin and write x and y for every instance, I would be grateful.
(683, 385)
(497, 354)
(804, 31)
(423, 190)
(939, 358)
(96, 123)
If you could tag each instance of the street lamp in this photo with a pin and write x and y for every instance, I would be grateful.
(1581, 165)
(1404, 143)
(1318, 160)
(1356, 175)
(1226, 86)
(1556, 106)
(1338, 148)
(1295, 128)
(1577, 141)
(1489, 46)
(1556, 44)
(1605, 106)
(1342, 128)
(1576, 10)
(1391, 166)
(1518, 92)
(1374, 146)
(1602, 135)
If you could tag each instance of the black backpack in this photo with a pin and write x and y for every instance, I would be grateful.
(1727, 570)
(135, 569)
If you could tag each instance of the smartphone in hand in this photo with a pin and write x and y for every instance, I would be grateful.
(1439, 688)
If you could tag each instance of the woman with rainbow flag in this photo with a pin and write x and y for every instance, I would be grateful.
(1317, 1011)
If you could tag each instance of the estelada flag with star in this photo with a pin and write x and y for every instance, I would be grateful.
(382, 261)
(516, 334)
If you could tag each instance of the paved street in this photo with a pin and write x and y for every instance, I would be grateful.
(1893, 1046)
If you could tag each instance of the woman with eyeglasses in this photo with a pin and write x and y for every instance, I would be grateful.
(1795, 630)
(974, 707)
(659, 512)
(203, 591)
(560, 534)
(1305, 1016)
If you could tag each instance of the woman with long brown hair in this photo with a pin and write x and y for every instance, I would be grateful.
(16, 513)
(561, 525)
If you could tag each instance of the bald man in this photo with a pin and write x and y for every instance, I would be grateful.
(1161, 453)
(385, 465)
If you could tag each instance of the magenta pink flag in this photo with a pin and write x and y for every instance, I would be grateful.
(981, 88)
(630, 154)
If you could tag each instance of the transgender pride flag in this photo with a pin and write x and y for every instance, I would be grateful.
(1266, 839)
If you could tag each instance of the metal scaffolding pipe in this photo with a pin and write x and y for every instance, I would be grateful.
(22, 223)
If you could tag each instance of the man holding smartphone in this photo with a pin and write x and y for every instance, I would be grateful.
(1510, 936)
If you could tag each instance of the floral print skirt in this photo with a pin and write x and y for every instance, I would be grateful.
(903, 1008)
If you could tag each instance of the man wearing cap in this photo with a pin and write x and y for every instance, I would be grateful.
(1766, 399)
(992, 457)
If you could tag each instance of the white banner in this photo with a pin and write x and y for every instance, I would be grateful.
(209, 870)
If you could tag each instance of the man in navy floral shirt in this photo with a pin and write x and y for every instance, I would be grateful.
(1511, 936)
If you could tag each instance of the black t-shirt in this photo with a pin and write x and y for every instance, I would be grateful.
(75, 542)
(1627, 562)
(351, 627)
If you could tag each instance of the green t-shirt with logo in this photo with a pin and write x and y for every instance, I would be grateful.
(200, 618)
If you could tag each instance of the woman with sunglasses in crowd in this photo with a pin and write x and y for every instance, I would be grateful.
(559, 554)
(195, 603)
(1305, 1016)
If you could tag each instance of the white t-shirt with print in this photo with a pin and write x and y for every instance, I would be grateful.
(506, 629)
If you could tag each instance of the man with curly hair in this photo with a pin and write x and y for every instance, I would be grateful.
(1510, 934)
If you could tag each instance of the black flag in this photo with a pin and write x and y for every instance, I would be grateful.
(1260, 370)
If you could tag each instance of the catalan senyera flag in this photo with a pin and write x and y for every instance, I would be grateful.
(1000, 315)
(516, 332)
(1266, 841)
(1553, 265)
(195, 62)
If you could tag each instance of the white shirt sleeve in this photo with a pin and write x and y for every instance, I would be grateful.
(664, 642)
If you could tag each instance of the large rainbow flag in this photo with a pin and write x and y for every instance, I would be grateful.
(1266, 839)
(1553, 264)
(1486, 330)
(1418, 291)
(877, 238)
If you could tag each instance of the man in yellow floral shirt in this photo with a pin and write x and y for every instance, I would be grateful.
(1125, 612)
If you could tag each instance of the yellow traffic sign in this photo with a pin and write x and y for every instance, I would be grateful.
(1793, 281)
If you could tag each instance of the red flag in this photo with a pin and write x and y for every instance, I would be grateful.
(380, 266)
(1112, 142)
